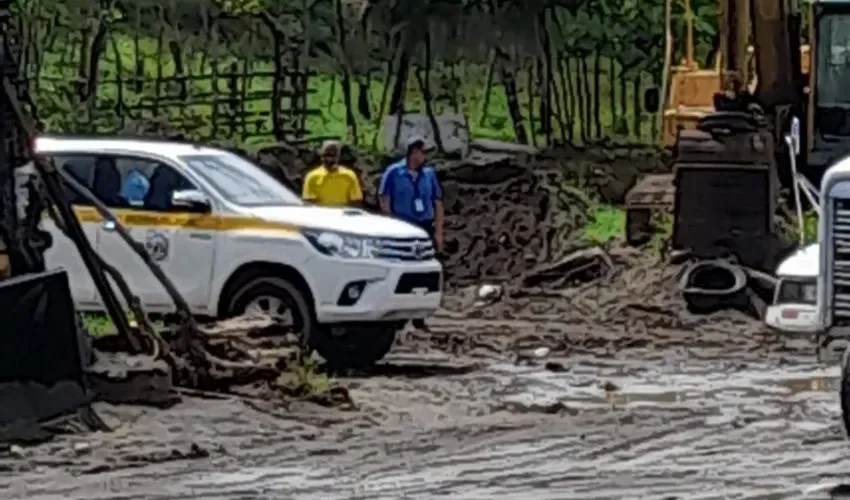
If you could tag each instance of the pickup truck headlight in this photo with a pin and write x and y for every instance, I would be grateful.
(342, 245)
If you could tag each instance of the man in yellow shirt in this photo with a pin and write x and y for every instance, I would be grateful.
(331, 184)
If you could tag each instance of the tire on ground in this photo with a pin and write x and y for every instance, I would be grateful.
(358, 347)
(280, 288)
(845, 390)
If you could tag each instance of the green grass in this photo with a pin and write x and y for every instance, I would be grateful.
(607, 224)
(98, 325)
(58, 73)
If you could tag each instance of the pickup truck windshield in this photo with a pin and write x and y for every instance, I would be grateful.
(797, 291)
(239, 181)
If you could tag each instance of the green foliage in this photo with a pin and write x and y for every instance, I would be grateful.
(662, 222)
(98, 325)
(607, 224)
(810, 228)
(305, 378)
(621, 41)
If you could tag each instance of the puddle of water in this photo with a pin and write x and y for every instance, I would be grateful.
(677, 383)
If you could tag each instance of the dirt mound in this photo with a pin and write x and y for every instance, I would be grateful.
(506, 213)
(635, 304)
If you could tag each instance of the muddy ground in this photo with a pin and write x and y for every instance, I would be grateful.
(638, 399)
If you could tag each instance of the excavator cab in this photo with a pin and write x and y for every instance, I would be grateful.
(829, 100)
(692, 88)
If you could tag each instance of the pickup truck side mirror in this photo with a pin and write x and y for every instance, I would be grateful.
(191, 200)
(651, 100)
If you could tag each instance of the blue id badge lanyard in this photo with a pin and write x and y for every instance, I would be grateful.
(418, 202)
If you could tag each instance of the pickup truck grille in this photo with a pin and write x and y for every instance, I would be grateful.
(840, 272)
(410, 249)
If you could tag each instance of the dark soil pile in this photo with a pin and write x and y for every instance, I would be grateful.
(505, 213)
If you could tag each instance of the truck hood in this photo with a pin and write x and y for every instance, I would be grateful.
(344, 220)
(805, 262)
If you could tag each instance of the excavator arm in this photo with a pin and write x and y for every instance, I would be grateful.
(731, 165)
(776, 34)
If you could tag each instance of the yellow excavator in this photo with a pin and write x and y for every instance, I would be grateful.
(727, 127)
(692, 88)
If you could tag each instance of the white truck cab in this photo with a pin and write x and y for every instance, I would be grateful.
(234, 240)
(834, 235)
(794, 307)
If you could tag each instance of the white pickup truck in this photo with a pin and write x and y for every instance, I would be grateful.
(234, 240)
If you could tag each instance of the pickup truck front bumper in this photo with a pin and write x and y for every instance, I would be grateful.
(376, 291)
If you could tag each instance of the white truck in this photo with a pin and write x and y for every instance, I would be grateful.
(234, 240)
(794, 307)
(833, 297)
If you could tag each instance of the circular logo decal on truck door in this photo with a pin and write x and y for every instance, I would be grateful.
(156, 244)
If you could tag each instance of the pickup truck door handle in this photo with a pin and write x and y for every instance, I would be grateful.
(200, 236)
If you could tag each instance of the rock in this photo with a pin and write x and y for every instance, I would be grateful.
(134, 379)
(555, 367)
(609, 386)
(489, 293)
(525, 356)
(581, 266)
(82, 448)
(17, 451)
(453, 130)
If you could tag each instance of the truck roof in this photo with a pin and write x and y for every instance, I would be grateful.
(839, 170)
(165, 148)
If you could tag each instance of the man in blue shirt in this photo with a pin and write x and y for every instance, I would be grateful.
(410, 191)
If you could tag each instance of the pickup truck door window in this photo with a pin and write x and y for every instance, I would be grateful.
(140, 191)
(63, 253)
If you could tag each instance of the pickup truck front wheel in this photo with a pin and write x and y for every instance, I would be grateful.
(277, 298)
(353, 346)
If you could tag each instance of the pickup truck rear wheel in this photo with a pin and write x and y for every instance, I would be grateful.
(277, 298)
(353, 346)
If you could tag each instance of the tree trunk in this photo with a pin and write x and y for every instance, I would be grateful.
(20, 244)
(400, 84)
(597, 93)
(580, 101)
(98, 45)
(624, 106)
(488, 88)
(588, 105)
(544, 70)
(668, 61)
(508, 78)
(331, 93)
(612, 92)
(364, 104)
(425, 87)
(350, 121)
(568, 95)
(82, 64)
(529, 94)
(382, 107)
(637, 107)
